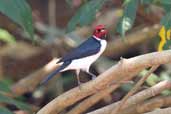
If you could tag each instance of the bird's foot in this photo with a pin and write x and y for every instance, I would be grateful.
(93, 77)
(79, 85)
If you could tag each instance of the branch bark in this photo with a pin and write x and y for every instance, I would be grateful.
(137, 98)
(87, 103)
(117, 73)
(148, 105)
(134, 89)
(160, 111)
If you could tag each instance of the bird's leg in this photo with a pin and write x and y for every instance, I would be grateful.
(78, 78)
(93, 76)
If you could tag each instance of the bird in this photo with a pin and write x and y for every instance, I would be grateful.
(82, 57)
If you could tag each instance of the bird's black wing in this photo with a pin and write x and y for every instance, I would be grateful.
(87, 48)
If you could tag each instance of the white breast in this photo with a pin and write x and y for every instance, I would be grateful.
(84, 63)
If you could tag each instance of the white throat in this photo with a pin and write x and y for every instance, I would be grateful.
(96, 37)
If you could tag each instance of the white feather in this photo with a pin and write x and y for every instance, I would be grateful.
(85, 63)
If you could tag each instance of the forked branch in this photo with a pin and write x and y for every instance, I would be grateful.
(116, 73)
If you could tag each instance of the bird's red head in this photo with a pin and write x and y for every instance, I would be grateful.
(100, 31)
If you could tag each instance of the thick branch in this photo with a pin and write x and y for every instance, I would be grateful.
(116, 73)
(87, 103)
(148, 105)
(137, 98)
(161, 111)
(134, 89)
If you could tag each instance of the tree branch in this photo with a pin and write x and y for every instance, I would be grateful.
(137, 98)
(161, 111)
(134, 89)
(116, 73)
(147, 106)
(87, 103)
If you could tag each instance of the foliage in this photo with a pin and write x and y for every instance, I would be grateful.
(19, 12)
(153, 79)
(5, 111)
(4, 89)
(4, 86)
(127, 20)
(6, 36)
(86, 14)
(8, 100)
(166, 20)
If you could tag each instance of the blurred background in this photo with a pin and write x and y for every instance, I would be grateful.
(61, 25)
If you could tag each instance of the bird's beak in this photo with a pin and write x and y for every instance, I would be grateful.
(102, 30)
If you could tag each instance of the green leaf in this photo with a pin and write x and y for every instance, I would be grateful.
(19, 104)
(5, 111)
(166, 20)
(146, 1)
(127, 87)
(165, 76)
(69, 2)
(166, 92)
(152, 79)
(167, 45)
(4, 87)
(19, 12)
(166, 7)
(6, 36)
(85, 14)
(129, 14)
(166, 2)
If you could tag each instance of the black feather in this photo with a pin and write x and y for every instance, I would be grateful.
(65, 64)
(90, 47)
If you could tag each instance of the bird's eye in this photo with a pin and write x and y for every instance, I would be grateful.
(98, 30)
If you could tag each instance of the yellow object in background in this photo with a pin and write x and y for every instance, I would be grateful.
(168, 34)
(164, 36)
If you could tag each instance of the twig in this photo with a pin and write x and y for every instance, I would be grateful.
(134, 89)
(137, 98)
(147, 106)
(161, 111)
(117, 73)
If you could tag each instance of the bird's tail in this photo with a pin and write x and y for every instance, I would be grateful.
(64, 65)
